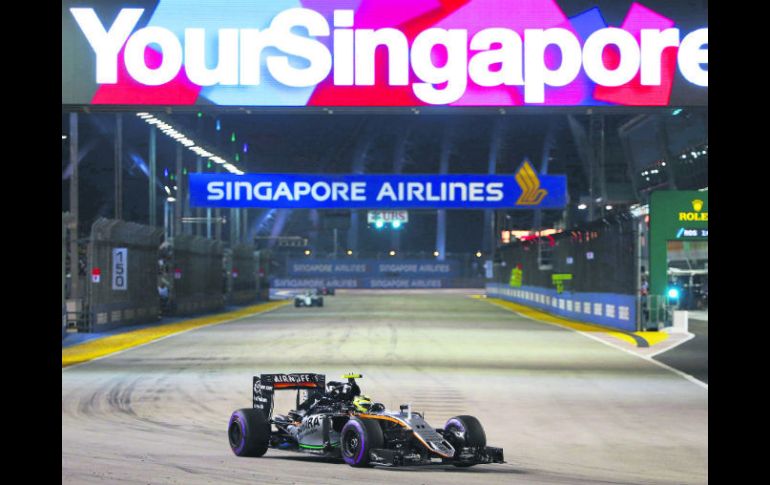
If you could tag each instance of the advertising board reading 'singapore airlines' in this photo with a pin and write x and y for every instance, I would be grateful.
(379, 53)
(310, 191)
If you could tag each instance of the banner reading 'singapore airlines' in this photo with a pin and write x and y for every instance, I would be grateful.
(383, 53)
(524, 190)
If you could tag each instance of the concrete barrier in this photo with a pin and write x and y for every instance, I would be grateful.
(608, 309)
(680, 322)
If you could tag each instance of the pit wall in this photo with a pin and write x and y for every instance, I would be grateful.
(608, 309)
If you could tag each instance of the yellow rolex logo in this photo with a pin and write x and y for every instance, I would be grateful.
(696, 215)
(531, 193)
(697, 205)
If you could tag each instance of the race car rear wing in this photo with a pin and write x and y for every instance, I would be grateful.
(265, 386)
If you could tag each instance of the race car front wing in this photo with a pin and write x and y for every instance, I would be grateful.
(466, 456)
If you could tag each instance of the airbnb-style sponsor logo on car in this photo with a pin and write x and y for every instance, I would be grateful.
(302, 48)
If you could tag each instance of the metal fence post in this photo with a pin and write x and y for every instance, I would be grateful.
(118, 166)
(153, 177)
(74, 206)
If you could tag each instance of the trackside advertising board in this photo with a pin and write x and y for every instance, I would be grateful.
(372, 268)
(411, 53)
(611, 309)
(675, 215)
(525, 190)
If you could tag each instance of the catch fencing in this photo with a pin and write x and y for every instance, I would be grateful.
(198, 280)
(264, 263)
(590, 273)
(243, 275)
(122, 264)
(64, 219)
(600, 257)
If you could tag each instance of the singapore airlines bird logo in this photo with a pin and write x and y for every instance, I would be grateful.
(531, 193)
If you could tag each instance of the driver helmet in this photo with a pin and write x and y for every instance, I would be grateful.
(362, 404)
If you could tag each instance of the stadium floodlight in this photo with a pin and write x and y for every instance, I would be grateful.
(392, 253)
(435, 253)
(582, 207)
(396, 224)
(188, 142)
(307, 252)
(350, 252)
(673, 293)
(379, 224)
(478, 254)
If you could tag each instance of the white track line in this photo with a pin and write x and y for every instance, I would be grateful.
(690, 336)
(644, 357)
(167, 336)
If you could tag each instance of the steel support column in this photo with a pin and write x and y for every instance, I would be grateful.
(179, 196)
(245, 225)
(218, 217)
(74, 209)
(446, 152)
(197, 230)
(153, 205)
(488, 236)
(118, 166)
(399, 159)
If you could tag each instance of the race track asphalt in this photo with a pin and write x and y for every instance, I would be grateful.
(566, 409)
(691, 357)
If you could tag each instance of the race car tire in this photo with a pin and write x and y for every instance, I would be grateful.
(473, 434)
(296, 304)
(357, 438)
(248, 432)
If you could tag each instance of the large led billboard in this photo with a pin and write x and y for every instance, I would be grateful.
(410, 53)
(525, 190)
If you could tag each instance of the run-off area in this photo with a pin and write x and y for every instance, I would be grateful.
(565, 408)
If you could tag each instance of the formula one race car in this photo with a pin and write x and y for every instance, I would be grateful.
(335, 420)
(325, 290)
(309, 298)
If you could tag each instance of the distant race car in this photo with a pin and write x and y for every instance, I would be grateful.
(309, 298)
(325, 290)
(335, 420)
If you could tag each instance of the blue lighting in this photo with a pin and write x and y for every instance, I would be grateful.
(219, 125)
(379, 224)
(396, 224)
(673, 293)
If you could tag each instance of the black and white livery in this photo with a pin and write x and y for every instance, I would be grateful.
(308, 298)
(335, 420)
